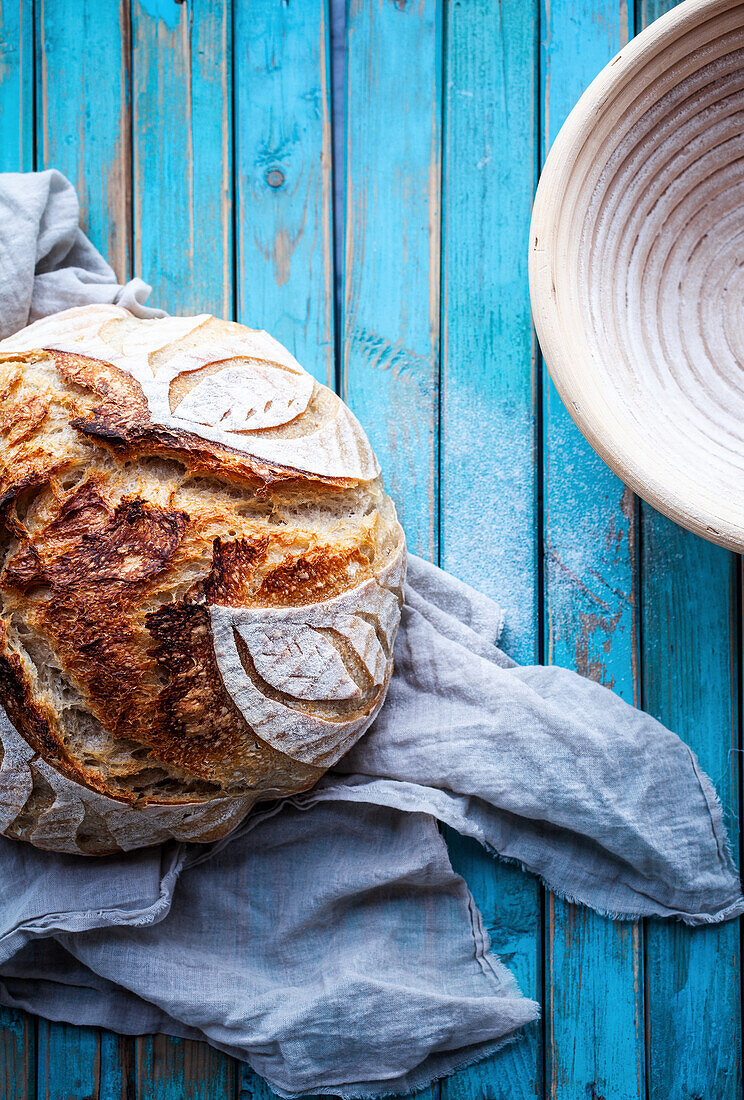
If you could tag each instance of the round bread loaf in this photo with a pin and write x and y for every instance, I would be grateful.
(201, 579)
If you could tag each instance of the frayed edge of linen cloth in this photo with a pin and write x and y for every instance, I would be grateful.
(328, 941)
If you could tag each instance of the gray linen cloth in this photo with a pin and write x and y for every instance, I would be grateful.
(328, 941)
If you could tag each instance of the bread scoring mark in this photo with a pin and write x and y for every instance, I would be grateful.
(284, 716)
(122, 421)
(266, 389)
(197, 724)
(246, 397)
(152, 439)
(302, 663)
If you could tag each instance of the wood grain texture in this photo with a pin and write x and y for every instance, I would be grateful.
(488, 493)
(391, 248)
(284, 197)
(691, 652)
(179, 1069)
(690, 668)
(648, 10)
(87, 136)
(17, 151)
(284, 183)
(594, 967)
(182, 126)
(83, 116)
(16, 86)
(17, 1055)
(253, 1087)
(82, 1063)
(183, 234)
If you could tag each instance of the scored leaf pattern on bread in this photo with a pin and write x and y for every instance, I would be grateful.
(337, 651)
(330, 443)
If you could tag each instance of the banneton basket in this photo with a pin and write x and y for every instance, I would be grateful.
(637, 266)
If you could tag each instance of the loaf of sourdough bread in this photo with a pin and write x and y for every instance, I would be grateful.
(201, 579)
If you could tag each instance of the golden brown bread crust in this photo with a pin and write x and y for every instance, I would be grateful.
(184, 623)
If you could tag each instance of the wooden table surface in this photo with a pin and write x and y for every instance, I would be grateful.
(199, 136)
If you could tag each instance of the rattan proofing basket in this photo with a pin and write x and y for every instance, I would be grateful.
(637, 266)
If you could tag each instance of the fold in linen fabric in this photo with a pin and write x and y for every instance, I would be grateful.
(46, 262)
(328, 941)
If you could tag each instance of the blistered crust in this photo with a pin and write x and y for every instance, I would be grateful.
(187, 626)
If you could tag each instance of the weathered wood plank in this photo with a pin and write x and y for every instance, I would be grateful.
(390, 309)
(17, 1055)
(82, 89)
(17, 1030)
(82, 1063)
(283, 156)
(16, 86)
(253, 1087)
(87, 136)
(179, 1069)
(593, 966)
(690, 660)
(391, 249)
(182, 140)
(183, 233)
(648, 10)
(284, 200)
(488, 442)
(691, 635)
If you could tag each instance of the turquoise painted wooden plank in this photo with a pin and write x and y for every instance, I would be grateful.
(488, 489)
(179, 1069)
(17, 1030)
(690, 660)
(16, 86)
(86, 135)
(284, 200)
(17, 1055)
(691, 635)
(283, 156)
(391, 248)
(82, 1062)
(183, 232)
(648, 10)
(83, 114)
(593, 966)
(182, 141)
(253, 1087)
